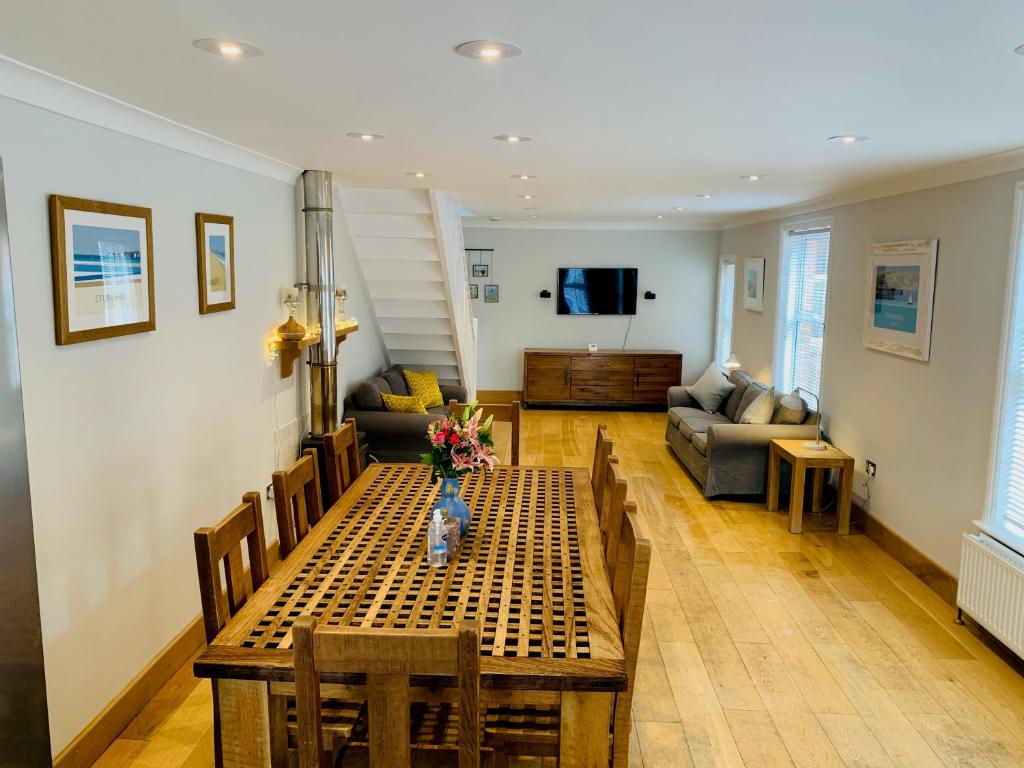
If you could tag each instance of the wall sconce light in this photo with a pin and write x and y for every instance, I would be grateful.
(545, 294)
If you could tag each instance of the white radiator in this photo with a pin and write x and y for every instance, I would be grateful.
(991, 589)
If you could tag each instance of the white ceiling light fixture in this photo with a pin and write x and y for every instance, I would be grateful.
(488, 50)
(494, 218)
(704, 196)
(418, 174)
(228, 49)
(678, 208)
(847, 138)
(364, 136)
(752, 177)
(523, 176)
(532, 208)
(512, 138)
(660, 216)
(527, 197)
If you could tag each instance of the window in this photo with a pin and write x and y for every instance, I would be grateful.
(723, 312)
(1005, 517)
(800, 323)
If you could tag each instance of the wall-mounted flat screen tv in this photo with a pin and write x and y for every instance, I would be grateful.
(596, 291)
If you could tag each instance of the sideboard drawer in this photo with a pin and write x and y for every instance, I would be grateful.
(595, 393)
(602, 378)
(602, 363)
(561, 362)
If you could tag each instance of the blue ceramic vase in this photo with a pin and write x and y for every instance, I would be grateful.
(450, 504)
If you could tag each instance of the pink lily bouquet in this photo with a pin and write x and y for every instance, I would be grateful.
(460, 443)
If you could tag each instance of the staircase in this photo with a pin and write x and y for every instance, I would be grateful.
(410, 249)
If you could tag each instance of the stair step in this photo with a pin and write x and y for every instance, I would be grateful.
(410, 308)
(408, 225)
(428, 358)
(406, 290)
(418, 271)
(417, 325)
(389, 249)
(385, 201)
(419, 342)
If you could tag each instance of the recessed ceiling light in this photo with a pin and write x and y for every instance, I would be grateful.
(418, 174)
(751, 178)
(494, 218)
(533, 215)
(847, 138)
(488, 50)
(704, 196)
(512, 138)
(367, 137)
(523, 176)
(660, 216)
(229, 49)
(678, 208)
(532, 208)
(527, 197)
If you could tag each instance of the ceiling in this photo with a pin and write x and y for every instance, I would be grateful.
(634, 108)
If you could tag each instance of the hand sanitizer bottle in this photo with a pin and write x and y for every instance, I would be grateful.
(437, 541)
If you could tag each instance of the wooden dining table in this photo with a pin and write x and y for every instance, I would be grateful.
(530, 570)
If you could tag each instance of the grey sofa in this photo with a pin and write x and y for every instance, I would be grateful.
(394, 436)
(724, 456)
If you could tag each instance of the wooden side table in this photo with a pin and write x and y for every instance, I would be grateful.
(802, 459)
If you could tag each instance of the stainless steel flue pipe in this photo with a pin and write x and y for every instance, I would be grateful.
(318, 212)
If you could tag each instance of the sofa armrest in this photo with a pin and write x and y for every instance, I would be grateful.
(385, 424)
(678, 396)
(453, 392)
(725, 438)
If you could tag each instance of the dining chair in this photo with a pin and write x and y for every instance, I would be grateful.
(297, 499)
(507, 413)
(533, 730)
(341, 452)
(602, 452)
(388, 658)
(613, 501)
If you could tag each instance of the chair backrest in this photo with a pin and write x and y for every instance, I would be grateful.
(223, 541)
(610, 511)
(341, 454)
(297, 499)
(629, 586)
(508, 413)
(602, 450)
(388, 657)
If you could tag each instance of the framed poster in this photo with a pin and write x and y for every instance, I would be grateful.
(490, 294)
(480, 270)
(474, 290)
(215, 252)
(900, 294)
(102, 259)
(753, 284)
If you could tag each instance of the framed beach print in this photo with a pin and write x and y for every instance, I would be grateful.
(480, 270)
(753, 284)
(215, 251)
(490, 294)
(474, 290)
(900, 294)
(102, 258)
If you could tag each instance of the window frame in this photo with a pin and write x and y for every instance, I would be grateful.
(990, 523)
(781, 293)
(722, 262)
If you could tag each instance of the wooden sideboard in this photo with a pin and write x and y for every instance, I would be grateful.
(605, 377)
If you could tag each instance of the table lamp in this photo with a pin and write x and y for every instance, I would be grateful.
(731, 364)
(817, 445)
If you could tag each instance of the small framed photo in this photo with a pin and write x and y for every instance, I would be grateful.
(102, 258)
(900, 295)
(481, 270)
(474, 290)
(753, 284)
(490, 294)
(215, 253)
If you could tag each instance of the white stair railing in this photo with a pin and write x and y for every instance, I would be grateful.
(448, 226)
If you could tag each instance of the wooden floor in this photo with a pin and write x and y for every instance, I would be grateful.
(760, 648)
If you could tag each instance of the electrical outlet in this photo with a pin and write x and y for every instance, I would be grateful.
(870, 468)
(270, 491)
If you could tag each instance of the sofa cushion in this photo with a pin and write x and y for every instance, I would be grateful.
(760, 411)
(711, 389)
(403, 404)
(396, 381)
(700, 442)
(423, 384)
(676, 413)
(791, 410)
(698, 421)
(368, 394)
(732, 405)
(753, 391)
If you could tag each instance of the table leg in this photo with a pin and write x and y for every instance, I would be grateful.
(585, 722)
(773, 480)
(796, 497)
(845, 497)
(816, 490)
(244, 708)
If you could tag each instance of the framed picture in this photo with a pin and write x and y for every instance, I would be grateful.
(490, 294)
(102, 256)
(474, 290)
(753, 284)
(215, 253)
(900, 293)
(480, 270)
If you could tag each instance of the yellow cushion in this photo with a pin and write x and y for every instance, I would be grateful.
(423, 384)
(403, 403)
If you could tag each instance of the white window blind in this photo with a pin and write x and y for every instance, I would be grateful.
(800, 332)
(723, 313)
(1005, 519)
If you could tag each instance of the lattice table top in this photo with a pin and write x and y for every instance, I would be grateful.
(530, 571)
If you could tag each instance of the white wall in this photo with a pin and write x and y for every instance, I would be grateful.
(679, 266)
(135, 442)
(927, 425)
